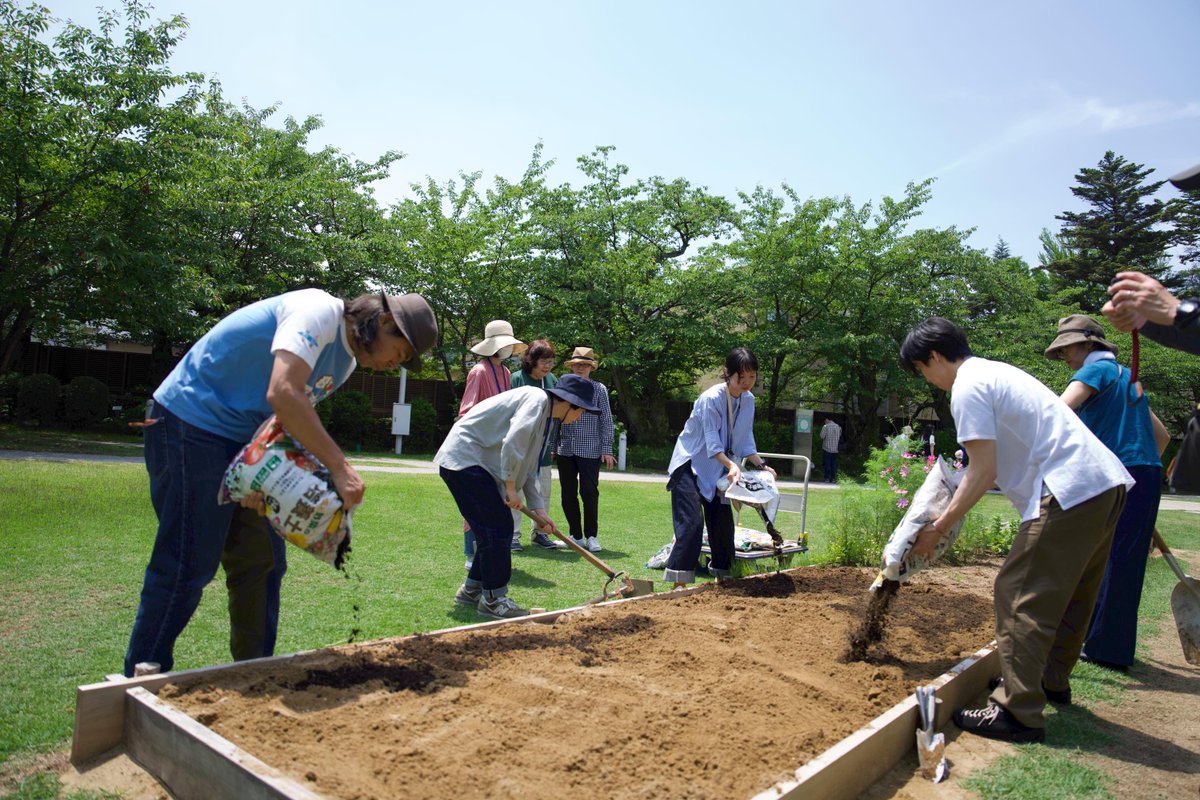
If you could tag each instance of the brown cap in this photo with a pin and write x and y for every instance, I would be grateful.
(582, 355)
(416, 322)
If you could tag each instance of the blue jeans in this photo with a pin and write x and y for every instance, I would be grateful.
(196, 535)
(482, 506)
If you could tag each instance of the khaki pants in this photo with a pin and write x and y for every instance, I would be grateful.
(1044, 597)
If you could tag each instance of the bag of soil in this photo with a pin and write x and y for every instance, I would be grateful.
(927, 505)
(302, 505)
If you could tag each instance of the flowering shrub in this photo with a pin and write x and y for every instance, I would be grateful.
(866, 516)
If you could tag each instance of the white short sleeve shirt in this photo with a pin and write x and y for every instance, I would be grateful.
(1039, 439)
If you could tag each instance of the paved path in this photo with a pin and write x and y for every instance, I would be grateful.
(404, 466)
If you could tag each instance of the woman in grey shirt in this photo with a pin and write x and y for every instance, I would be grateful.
(488, 456)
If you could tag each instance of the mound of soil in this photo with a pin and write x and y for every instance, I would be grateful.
(717, 694)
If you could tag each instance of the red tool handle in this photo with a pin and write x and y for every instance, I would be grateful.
(1133, 361)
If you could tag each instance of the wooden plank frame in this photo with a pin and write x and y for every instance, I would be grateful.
(196, 763)
(866, 755)
(126, 711)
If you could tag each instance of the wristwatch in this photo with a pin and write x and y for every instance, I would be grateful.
(1186, 313)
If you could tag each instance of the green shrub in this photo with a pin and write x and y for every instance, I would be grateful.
(647, 456)
(37, 398)
(351, 423)
(8, 393)
(866, 517)
(85, 402)
(772, 437)
(422, 430)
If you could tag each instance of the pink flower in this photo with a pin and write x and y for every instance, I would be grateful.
(904, 472)
(883, 473)
(902, 502)
(908, 455)
(930, 460)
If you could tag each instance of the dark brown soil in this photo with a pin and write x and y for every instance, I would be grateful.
(870, 631)
(718, 694)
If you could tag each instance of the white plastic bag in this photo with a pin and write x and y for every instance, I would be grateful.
(754, 488)
(927, 505)
(302, 505)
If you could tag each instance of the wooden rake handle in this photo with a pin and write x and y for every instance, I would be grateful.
(583, 551)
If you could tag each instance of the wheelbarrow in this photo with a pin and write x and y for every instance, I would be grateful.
(1185, 604)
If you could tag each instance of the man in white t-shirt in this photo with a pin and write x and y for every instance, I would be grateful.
(1069, 490)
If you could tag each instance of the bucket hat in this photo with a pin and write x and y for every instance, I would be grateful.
(582, 355)
(577, 391)
(1074, 329)
(1188, 180)
(496, 335)
(416, 322)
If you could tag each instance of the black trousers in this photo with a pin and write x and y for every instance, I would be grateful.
(691, 513)
(580, 476)
(482, 506)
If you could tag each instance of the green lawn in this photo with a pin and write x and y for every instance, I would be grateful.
(76, 537)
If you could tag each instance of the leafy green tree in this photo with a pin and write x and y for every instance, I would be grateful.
(82, 117)
(609, 271)
(785, 268)
(1122, 229)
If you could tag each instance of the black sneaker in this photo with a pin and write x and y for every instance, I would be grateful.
(995, 722)
(516, 544)
(544, 541)
(1058, 697)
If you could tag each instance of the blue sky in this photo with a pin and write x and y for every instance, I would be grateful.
(1002, 102)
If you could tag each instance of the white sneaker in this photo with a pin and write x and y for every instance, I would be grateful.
(593, 544)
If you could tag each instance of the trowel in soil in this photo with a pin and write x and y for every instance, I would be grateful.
(1185, 604)
(625, 586)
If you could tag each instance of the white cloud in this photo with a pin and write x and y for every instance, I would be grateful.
(1059, 112)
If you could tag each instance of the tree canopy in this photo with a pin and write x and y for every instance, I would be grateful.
(136, 202)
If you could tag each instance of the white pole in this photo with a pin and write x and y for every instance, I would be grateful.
(621, 453)
(403, 391)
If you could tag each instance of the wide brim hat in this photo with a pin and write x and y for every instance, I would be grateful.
(1075, 329)
(1188, 180)
(582, 355)
(577, 391)
(497, 334)
(416, 322)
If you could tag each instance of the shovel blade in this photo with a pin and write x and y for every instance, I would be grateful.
(1185, 604)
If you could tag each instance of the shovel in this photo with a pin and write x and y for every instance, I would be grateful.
(1185, 604)
(627, 587)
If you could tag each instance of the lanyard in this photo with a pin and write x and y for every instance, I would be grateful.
(495, 376)
(545, 436)
(729, 417)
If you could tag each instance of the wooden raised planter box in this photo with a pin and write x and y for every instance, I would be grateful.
(193, 761)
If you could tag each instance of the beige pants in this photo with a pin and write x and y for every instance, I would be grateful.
(1044, 597)
(546, 484)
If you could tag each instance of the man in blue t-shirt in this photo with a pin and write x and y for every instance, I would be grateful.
(277, 356)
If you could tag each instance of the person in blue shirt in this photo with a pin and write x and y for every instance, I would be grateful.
(1116, 410)
(718, 434)
(277, 356)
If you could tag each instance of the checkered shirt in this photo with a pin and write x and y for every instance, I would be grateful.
(592, 435)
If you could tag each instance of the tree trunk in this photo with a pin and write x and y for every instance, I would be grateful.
(14, 336)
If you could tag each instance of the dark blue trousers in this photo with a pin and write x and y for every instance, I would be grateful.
(1113, 630)
(690, 513)
(482, 506)
(196, 536)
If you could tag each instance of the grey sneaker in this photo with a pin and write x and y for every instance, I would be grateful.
(593, 544)
(468, 596)
(544, 541)
(500, 608)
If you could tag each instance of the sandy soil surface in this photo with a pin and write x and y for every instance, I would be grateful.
(1157, 754)
(711, 695)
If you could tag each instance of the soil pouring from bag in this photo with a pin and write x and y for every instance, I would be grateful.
(352, 575)
(871, 630)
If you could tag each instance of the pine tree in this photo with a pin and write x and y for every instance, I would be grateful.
(1001, 251)
(1122, 230)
